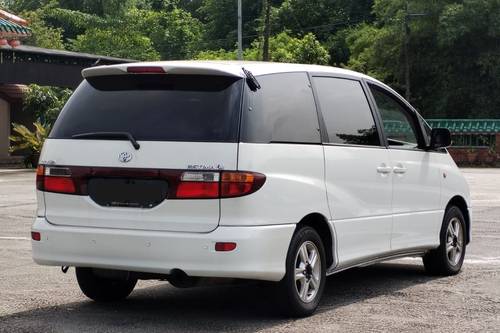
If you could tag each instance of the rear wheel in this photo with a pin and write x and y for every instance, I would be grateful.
(448, 258)
(104, 288)
(304, 281)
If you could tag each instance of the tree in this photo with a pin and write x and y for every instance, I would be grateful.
(175, 34)
(43, 35)
(282, 48)
(454, 66)
(219, 18)
(116, 43)
(45, 103)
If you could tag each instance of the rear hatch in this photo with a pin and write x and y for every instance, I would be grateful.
(124, 142)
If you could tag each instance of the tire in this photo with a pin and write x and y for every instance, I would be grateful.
(448, 258)
(103, 289)
(294, 298)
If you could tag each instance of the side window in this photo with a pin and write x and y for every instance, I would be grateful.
(283, 110)
(399, 126)
(346, 112)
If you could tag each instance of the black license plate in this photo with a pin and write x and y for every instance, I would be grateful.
(126, 192)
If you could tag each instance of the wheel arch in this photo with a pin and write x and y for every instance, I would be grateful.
(326, 231)
(460, 202)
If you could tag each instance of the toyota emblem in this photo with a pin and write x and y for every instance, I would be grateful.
(125, 157)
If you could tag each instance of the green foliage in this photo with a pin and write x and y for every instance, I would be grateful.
(454, 60)
(282, 47)
(116, 43)
(220, 54)
(24, 139)
(175, 34)
(220, 19)
(45, 103)
(43, 35)
(374, 51)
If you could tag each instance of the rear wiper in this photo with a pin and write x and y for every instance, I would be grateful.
(251, 80)
(108, 135)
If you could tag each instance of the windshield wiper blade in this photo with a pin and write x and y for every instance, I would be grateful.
(251, 80)
(108, 135)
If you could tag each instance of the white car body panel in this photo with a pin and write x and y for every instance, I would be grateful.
(359, 199)
(260, 253)
(294, 187)
(416, 198)
(170, 215)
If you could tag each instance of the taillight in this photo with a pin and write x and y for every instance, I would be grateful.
(198, 185)
(59, 185)
(213, 185)
(237, 184)
(55, 179)
(181, 184)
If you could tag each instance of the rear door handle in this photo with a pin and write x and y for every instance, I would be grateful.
(384, 169)
(399, 169)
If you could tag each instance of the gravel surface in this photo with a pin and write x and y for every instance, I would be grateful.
(395, 296)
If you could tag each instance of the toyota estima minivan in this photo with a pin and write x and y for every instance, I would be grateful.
(180, 171)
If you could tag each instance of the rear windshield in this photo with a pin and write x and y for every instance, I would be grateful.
(154, 107)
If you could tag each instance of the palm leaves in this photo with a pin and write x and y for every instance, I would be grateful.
(27, 139)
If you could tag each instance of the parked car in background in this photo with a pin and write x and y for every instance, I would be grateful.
(262, 171)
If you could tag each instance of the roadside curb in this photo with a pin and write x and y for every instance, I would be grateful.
(14, 171)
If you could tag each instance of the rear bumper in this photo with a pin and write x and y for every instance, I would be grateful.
(260, 253)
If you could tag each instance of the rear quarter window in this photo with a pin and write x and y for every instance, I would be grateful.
(282, 111)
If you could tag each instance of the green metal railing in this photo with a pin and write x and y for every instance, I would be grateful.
(464, 132)
(468, 126)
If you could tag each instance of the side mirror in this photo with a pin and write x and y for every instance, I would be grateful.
(440, 138)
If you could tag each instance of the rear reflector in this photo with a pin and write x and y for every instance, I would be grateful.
(36, 236)
(225, 246)
(145, 69)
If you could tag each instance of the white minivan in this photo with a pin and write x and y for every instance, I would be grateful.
(184, 170)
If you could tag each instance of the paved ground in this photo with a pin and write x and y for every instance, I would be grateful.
(395, 296)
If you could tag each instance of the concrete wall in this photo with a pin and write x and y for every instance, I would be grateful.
(4, 128)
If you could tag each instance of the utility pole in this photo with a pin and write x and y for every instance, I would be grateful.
(240, 32)
(406, 48)
(267, 30)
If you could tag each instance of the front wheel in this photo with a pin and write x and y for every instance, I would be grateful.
(304, 281)
(448, 258)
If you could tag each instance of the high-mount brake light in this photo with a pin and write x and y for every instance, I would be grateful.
(145, 70)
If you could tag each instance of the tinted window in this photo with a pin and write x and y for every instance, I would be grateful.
(346, 112)
(155, 108)
(283, 110)
(398, 124)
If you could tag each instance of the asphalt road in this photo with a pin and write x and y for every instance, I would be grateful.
(395, 296)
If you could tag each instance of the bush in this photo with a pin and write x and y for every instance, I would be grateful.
(31, 141)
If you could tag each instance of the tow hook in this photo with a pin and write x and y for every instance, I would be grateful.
(64, 269)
